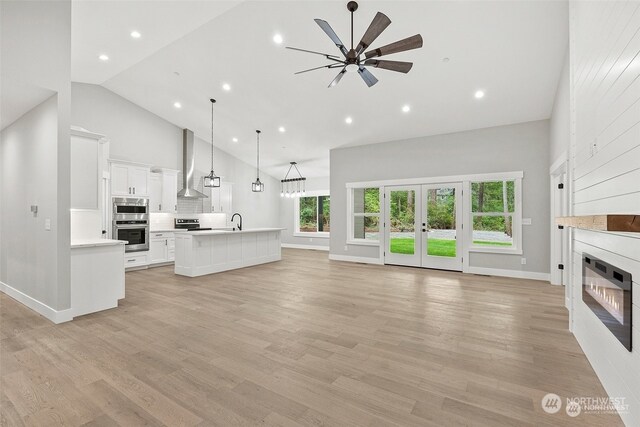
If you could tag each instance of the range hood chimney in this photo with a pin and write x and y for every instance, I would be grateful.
(189, 168)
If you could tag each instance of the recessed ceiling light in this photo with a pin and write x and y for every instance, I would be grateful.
(234, 139)
(348, 120)
(135, 34)
(406, 108)
(177, 104)
(277, 39)
(281, 129)
(103, 57)
(479, 94)
(226, 87)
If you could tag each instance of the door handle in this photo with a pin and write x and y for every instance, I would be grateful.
(160, 206)
(134, 190)
(129, 190)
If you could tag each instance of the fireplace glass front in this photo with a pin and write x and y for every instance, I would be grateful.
(607, 291)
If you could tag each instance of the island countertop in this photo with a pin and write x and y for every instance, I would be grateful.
(227, 232)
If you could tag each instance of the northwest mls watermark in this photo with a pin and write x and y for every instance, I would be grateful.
(574, 406)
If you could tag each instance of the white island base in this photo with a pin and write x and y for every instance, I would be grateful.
(206, 252)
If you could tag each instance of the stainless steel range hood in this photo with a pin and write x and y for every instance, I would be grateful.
(189, 168)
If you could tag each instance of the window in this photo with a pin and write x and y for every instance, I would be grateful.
(313, 215)
(365, 215)
(495, 215)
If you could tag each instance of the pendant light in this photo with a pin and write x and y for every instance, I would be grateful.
(212, 180)
(257, 186)
(293, 187)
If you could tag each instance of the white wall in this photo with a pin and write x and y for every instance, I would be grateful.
(519, 147)
(138, 135)
(288, 220)
(559, 122)
(34, 150)
(605, 157)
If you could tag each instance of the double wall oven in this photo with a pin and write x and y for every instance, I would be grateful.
(131, 222)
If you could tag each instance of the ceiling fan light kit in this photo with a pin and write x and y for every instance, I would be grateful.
(351, 60)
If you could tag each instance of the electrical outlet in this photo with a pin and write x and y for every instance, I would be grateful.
(310, 240)
(346, 248)
(523, 261)
(47, 224)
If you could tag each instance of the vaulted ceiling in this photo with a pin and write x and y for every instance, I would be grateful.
(513, 51)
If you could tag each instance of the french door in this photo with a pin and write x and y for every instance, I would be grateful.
(423, 226)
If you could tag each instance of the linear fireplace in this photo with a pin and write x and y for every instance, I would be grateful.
(607, 291)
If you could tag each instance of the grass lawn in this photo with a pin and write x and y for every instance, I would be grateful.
(436, 247)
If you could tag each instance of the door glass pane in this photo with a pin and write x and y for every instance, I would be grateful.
(402, 233)
(324, 214)
(441, 222)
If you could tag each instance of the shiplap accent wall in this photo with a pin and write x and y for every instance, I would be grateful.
(605, 156)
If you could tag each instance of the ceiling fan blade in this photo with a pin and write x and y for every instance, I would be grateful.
(413, 42)
(332, 35)
(338, 77)
(366, 75)
(329, 57)
(378, 25)
(399, 66)
(316, 68)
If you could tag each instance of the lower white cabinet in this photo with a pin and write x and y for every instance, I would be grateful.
(136, 259)
(161, 248)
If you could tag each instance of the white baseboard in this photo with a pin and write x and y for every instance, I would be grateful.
(297, 246)
(365, 260)
(56, 316)
(517, 274)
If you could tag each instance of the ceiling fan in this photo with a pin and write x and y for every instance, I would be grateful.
(352, 60)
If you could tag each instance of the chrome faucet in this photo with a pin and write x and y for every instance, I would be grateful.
(240, 224)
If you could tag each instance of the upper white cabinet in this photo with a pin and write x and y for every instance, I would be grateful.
(163, 191)
(222, 198)
(129, 179)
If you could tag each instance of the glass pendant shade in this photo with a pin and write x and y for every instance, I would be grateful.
(258, 186)
(212, 180)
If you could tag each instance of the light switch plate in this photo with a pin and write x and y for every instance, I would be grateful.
(523, 261)
(47, 224)
(526, 221)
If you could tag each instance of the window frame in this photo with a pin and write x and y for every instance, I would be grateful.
(296, 213)
(516, 215)
(351, 215)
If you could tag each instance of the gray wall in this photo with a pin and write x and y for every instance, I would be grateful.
(34, 151)
(138, 135)
(287, 217)
(523, 146)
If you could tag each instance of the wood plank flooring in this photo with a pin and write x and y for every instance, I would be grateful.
(305, 341)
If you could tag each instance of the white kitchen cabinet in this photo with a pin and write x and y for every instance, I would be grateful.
(163, 191)
(161, 248)
(222, 198)
(129, 179)
(136, 259)
(155, 192)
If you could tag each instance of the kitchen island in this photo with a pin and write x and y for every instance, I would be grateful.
(205, 252)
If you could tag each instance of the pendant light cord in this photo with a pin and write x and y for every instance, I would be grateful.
(212, 102)
(258, 155)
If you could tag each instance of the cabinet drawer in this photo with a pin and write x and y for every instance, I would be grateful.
(136, 260)
(160, 235)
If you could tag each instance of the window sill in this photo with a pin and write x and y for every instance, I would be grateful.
(488, 250)
(311, 234)
(364, 242)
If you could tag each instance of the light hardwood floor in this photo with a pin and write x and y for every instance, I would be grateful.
(305, 341)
